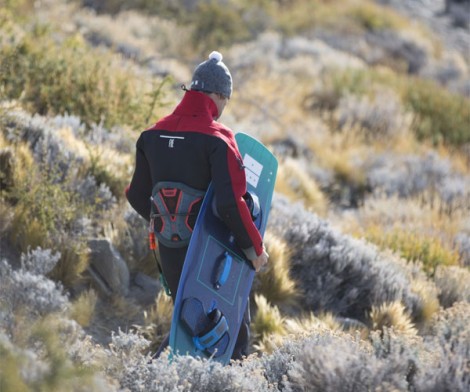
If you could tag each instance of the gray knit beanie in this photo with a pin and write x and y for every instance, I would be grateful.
(212, 76)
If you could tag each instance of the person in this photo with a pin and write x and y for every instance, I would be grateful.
(179, 157)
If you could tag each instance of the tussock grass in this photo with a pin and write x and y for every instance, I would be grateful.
(157, 321)
(109, 169)
(267, 326)
(72, 263)
(124, 308)
(294, 182)
(274, 281)
(392, 315)
(83, 308)
(453, 285)
(429, 303)
(310, 324)
(17, 166)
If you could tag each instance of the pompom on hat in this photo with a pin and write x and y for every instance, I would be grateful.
(212, 76)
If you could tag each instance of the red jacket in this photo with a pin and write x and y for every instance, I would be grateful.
(188, 146)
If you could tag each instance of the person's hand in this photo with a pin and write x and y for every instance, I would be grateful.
(260, 261)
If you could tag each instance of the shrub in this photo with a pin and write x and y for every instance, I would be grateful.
(69, 77)
(430, 176)
(184, 373)
(46, 364)
(448, 339)
(337, 273)
(45, 216)
(319, 367)
(217, 25)
(378, 118)
(415, 247)
(28, 292)
(83, 308)
(373, 17)
(451, 325)
(453, 286)
(55, 200)
(441, 116)
(336, 84)
(44, 202)
(39, 261)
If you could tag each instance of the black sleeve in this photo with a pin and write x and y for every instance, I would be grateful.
(140, 189)
(228, 176)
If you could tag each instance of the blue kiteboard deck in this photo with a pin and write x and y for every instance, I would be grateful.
(215, 271)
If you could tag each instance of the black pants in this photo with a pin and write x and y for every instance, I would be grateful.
(172, 260)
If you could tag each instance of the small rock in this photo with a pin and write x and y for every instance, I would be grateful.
(107, 267)
(144, 289)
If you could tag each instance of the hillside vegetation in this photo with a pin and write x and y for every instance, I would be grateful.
(366, 105)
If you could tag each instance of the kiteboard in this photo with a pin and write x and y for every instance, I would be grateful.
(216, 279)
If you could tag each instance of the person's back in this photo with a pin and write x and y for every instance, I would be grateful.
(177, 159)
(183, 147)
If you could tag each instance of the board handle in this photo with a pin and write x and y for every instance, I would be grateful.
(223, 271)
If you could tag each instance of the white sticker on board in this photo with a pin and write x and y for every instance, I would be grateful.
(253, 170)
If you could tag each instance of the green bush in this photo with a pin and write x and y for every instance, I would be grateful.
(299, 16)
(45, 213)
(415, 247)
(217, 26)
(440, 115)
(113, 179)
(373, 17)
(50, 77)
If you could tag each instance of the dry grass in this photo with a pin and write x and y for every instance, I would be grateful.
(414, 246)
(157, 320)
(72, 263)
(453, 285)
(267, 325)
(392, 315)
(83, 308)
(124, 308)
(274, 281)
(419, 228)
(294, 182)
